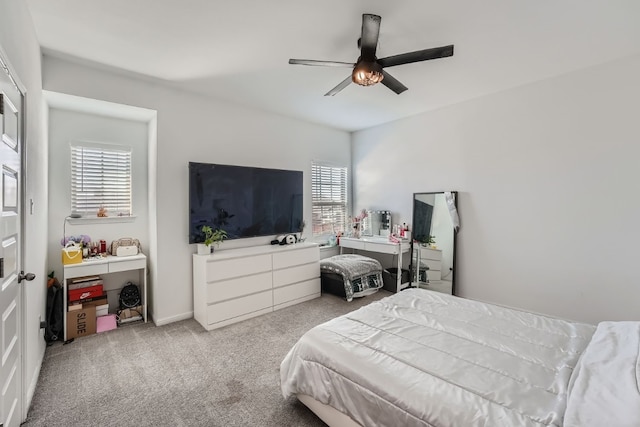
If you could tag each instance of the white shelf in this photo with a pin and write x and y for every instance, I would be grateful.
(106, 265)
(101, 220)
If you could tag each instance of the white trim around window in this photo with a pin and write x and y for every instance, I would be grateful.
(329, 200)
(101, 179)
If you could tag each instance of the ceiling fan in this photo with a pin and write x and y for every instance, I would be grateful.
(368, 70)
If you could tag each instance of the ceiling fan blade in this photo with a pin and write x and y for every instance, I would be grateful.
(392, 83)
(369, 36)
(321, 63)
(417, 56)
(340, 86)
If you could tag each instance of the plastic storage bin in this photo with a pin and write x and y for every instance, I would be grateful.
(390, 278)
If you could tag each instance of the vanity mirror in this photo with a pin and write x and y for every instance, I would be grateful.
(376, 223)
(435, 226)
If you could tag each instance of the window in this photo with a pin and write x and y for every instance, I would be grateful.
(328, 198)
(101, 178)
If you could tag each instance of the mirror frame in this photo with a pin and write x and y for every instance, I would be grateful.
(454, 231)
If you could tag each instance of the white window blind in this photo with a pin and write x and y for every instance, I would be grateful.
(328, 198)
(101, 177)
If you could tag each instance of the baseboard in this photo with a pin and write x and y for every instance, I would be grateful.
(166, 320)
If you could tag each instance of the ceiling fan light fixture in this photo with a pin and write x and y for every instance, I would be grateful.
(367, 73)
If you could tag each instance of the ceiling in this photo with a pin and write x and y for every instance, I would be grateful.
(238, 51)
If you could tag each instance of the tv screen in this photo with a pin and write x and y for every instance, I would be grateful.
(243, 201)
(422, 214)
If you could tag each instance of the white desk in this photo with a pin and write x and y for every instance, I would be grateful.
(380, 245)
(109, 264)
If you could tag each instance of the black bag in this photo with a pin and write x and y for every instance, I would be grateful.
(129, 296)
(54, 329)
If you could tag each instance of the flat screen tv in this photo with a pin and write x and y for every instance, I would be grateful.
(243, 201)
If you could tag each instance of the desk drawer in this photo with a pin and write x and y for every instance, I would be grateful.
(135, 264)
(353, 244)
(86, 269)
(383, 248)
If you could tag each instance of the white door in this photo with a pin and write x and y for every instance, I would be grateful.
(10, 250)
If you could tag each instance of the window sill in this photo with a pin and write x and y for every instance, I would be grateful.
(102, 220)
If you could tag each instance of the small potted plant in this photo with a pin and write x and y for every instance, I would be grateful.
(429, 241)
(301, 227)
(210, 237)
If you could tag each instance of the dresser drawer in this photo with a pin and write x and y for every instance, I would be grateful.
(228, 268)
(234, 288)
(289, 258)
(434, 275)
(434, 254)
(296, 291)
(296, 274)
(239, 307)
(433, 265)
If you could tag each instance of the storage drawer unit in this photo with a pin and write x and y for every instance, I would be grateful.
(237, 284)
(433, 259)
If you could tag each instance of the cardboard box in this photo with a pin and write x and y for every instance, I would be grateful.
(100, 300)
(84, 282)
(85, 293)
(97, 301)
(81, 323)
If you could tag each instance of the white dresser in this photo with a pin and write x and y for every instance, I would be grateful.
(431, 258)
(237, 284)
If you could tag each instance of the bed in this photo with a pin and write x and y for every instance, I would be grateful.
(422, 358)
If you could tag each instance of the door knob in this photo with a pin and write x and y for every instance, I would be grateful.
(28, 277)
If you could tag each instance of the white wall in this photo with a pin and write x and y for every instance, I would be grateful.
(548, 178)
(194, 128)
(66, 127)
(18, 40)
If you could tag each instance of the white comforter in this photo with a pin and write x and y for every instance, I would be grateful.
(604, 390)
(421, 358)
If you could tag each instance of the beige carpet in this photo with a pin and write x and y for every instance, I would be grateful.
(180, 374)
